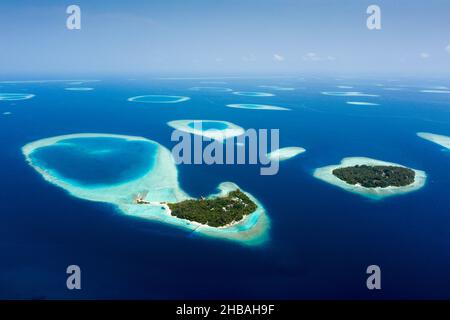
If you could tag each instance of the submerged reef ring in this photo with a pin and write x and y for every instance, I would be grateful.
(440, 88)
(211, 89)
(278, 88)
(253, 94)
(146, 196)
(95, 162)
(326, 174)
(79, 89)
(362, 103)
(348, 94)
(285, 153)
(43, 81)
(344, 87)
(158, 99)
(213, 82)
(435, 91)
(213, 129)
(256, 106)
(15, 96)
(441, 140)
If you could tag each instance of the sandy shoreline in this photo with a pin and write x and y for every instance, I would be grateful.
(253, 106)
(232, 130)
(153, 98)
(441, 140)
(160, 185)
(286, 153)
(326, 174)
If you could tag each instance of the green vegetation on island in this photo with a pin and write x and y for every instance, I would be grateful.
(216, 212)
(376, 176)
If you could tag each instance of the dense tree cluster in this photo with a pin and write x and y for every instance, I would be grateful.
(215, 212)
(376, 176)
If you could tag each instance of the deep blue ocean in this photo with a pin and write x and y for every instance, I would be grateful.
(322, 238)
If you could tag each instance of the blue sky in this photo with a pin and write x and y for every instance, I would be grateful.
(224, 37)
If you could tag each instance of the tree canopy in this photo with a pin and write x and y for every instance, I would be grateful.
(215, 212)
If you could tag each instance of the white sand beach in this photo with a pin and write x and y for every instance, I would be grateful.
(436, 138)
(158, 187)
(326, 174)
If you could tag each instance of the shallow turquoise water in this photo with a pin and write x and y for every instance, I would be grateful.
(322, 238)
(208, 125)
(253, 94)
(158, 99)
(96, 162)
(15, 96)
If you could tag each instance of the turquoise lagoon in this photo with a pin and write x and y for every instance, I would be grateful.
(118, 169)
(321, 235)
(15, 96)
(153, 98)
(208, 125)
(95, 162)
(254, 106)
(212, 129)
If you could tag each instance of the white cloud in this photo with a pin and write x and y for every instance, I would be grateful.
(424, 55)
(278, 57)
(311, 56)
(447, 48)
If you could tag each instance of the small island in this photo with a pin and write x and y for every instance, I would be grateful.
(215, 212)
(372, 178)
(146, 186)
(376, 176)
(439, 139)
(285, 153)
